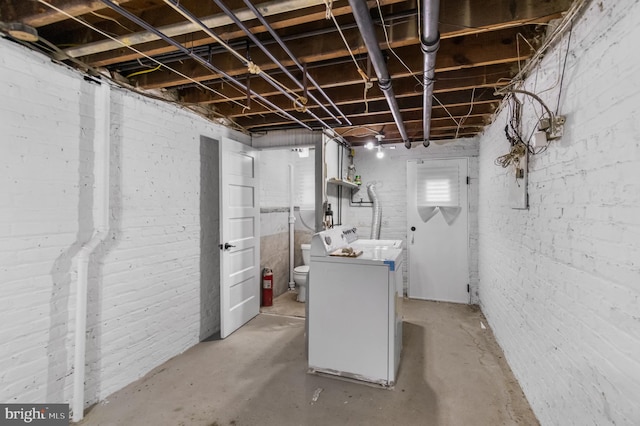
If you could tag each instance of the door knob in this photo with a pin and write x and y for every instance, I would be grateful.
(226, 246)
(413, 228)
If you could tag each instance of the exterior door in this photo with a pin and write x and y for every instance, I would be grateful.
(438, 230)
(240, 236)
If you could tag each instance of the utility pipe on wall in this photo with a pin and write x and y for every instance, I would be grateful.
(101, 147)
(429, 43)
(292, 221)
(367, 30)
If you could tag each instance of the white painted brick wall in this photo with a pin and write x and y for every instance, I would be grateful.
(144, 295)
(274, 188)
(390, 177)
(560, 283)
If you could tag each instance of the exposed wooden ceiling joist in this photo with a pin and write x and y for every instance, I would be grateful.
(483, 43)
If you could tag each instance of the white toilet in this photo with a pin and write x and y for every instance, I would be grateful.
(301, 272)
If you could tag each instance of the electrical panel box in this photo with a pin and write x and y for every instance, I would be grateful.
(539, 140)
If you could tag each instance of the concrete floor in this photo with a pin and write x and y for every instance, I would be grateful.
(452, 372)
(285, 304)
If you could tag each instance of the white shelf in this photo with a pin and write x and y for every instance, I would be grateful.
(342, 182)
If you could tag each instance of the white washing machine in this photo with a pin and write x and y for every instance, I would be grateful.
(354, 317)
(351, 234)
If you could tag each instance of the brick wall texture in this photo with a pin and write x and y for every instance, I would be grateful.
(560, 282)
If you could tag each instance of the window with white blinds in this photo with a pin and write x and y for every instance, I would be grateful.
(438, 186)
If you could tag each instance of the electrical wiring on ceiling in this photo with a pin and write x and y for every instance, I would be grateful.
(566, 23)
(519, 145)
(299, 102)
(99, 31)
(330, 15)
(365, 77)
(111, 19)
(463, 119)
(133, 74)
(386, 37)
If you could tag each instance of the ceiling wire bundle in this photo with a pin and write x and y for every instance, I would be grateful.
(365, 76)
(158, 63)
(517, 147)
(237, 86)
(522, 146)
(60, 54)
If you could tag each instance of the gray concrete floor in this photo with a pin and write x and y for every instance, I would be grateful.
(452, 372)
(285, 304)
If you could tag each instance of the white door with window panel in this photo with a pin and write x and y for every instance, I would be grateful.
(240, 236)
(438, 230)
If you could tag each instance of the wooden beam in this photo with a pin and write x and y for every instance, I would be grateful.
(403, 82)
(282, 14)
(350, 98)
(38, 15)
(460, 99)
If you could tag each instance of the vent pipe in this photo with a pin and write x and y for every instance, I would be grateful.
(376, 220)
(367, 30)
(429, 42)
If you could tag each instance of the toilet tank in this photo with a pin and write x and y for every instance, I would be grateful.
(306, 249)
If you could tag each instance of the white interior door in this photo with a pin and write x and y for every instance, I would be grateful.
(438, 231)
(240, 236)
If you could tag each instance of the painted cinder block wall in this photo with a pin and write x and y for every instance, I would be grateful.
(390, 177)
(146, 292)
(560, 282)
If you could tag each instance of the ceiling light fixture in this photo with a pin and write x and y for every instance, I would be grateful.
(369, 145)
(380, 154)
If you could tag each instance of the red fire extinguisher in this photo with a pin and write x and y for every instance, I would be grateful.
(267, 287)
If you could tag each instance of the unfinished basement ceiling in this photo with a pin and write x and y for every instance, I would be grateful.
(483, 45)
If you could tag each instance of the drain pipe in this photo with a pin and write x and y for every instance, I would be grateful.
(429, 43)
(365, 25)
(292, 221)
(101, 148)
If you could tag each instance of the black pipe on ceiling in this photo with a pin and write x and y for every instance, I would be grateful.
(365, 24)
(200, 60)
(429, 43)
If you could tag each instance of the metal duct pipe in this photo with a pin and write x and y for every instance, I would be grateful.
(429, 42)
(376, 220)
(365, 25)
(284, 47)
(266, 51)
(184, 50)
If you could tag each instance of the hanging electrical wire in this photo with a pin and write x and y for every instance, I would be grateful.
(99, 31)
(564, 67)
(566, 23)
(329, 14)
(111, 19)
(386, 37)
(462, 120)
(253, 68)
